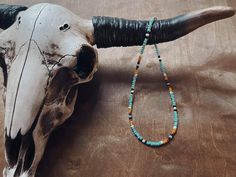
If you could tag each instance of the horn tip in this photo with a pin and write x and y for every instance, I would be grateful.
(230, 10)
(233, 10)
(227, 10)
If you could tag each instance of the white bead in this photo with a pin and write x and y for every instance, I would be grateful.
(143, 140)
(147, 35)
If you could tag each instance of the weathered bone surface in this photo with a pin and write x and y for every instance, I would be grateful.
(45, 52)
(44, 63)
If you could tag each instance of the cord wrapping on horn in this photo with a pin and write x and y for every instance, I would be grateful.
(111, 31)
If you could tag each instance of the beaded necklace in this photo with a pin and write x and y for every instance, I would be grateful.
(171, 94)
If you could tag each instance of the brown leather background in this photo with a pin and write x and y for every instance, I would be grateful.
(97, 141)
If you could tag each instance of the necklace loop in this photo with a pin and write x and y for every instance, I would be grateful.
(170, 89)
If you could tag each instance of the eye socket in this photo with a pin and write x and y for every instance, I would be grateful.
(64, 27)
(86, 61)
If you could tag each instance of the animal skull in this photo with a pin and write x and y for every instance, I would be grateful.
(46, 51)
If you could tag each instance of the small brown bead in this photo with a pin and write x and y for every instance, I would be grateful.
(173, 132)
(166, 140)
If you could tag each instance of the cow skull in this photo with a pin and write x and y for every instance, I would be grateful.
(46, 51)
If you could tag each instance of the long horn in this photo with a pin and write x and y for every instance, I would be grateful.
(8, 14)
(110, 32)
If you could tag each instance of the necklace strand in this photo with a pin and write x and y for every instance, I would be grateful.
(170, 89)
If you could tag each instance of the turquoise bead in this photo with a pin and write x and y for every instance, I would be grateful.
(176, 115)
(154, 144)
(137, 134)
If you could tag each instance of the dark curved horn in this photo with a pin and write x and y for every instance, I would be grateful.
(8, 14)
(110, 32)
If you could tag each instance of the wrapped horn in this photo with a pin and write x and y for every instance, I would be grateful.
(8, 14)
(111, 32)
